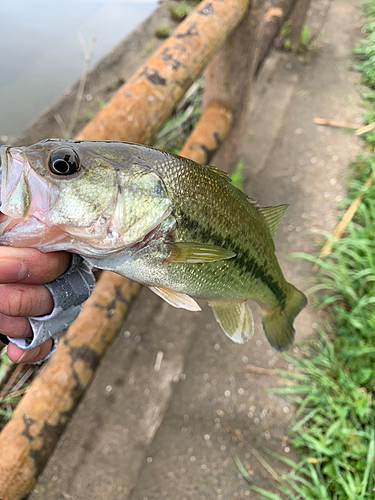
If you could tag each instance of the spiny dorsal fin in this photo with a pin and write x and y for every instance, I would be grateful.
(251, 201)
(220, 173)
(273, 216)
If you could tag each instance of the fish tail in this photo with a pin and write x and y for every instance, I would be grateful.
(278, 322)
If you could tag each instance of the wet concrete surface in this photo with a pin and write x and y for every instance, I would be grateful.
(174, 398)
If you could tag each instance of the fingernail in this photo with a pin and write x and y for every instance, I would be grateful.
(12, 270)
(29, 355)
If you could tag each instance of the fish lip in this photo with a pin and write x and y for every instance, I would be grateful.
(4, 219)
(3, 166)
(6, 164)
(42, 193)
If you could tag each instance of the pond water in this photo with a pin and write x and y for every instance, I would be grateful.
(41, 55)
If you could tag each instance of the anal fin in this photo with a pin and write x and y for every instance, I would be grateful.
(235, 319)
(176, 299)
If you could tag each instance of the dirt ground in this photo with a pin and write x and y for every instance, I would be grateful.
(174, 398)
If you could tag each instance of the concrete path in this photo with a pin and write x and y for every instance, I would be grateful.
(174, 397)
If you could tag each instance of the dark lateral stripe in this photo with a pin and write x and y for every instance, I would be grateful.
(243, 261)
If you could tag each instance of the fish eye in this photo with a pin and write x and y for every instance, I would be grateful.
(64, 161)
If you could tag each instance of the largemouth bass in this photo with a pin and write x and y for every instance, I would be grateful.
(178, 227)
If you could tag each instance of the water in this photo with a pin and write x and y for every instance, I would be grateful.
(41, 55)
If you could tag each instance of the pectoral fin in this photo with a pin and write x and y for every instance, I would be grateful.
(176, 299)
(195, 253)
(235, 319)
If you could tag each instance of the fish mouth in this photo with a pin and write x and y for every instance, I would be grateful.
(25, 199)
(23, 192)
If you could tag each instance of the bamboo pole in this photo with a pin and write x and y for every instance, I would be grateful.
(336, 124)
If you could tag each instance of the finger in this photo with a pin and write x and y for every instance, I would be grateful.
(18, 355)
(15, 327)
(29, 265)
(25, 300)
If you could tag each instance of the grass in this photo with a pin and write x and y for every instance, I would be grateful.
(163, 30)
(333, 384)
(180, 11)
(307, 45)
(14, 380)
(237, 176)
(185, 117)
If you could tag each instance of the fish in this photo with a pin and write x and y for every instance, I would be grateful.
(176, 226)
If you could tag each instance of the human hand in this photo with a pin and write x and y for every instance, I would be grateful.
(23, 273)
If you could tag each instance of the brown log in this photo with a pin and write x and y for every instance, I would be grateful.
(297, 19)
(142, 105)
(229, 76)
(206, 139)
(274, 18)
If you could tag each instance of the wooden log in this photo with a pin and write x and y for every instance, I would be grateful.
(205, 139)
(297, 19)
(142, 105)
(28, 439)
(229, 76)
(274, 18)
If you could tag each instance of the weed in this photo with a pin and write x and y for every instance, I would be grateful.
(237, 176)
(163, 30)
(149, 48)
(100, 101)
(180, 11)
(177, 129)
(13, 384)
(306, 46)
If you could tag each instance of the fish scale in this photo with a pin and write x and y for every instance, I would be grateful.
(249, 276)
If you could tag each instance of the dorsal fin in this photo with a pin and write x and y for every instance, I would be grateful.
(273, 216)
(220, 173)
(251, 201)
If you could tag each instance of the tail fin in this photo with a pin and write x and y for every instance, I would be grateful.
(278, 323)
